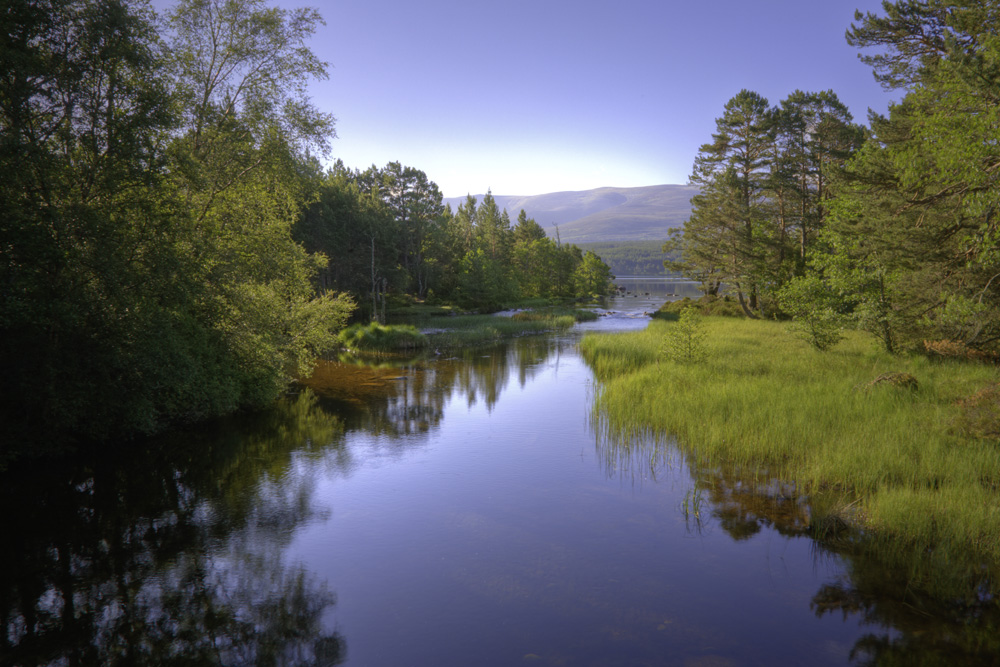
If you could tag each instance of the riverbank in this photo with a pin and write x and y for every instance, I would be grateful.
(902, 463)
(441, 329)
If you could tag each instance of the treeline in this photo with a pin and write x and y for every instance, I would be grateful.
(892, 228)
(631, 258)
(387, 233)
(160, 179)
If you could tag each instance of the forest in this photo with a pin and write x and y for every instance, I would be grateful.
(890, 228)
(171, 246)
(630, 258)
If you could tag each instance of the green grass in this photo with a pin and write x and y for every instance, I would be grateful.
(376, 337)
(578, 314)
(766, 401)
(473, 330)
(726, 306)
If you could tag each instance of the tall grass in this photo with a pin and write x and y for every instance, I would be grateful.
(766, 400)
(473, 330)
(377, 337)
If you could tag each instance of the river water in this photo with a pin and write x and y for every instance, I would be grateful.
(456, 510)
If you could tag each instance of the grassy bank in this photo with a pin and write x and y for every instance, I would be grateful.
(382, 338)
(444, 329)
(906, 464)
(472, 330)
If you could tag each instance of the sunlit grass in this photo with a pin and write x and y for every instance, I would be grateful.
(766, 400)
(376, 337)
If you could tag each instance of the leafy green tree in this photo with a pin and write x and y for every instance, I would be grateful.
(89, 314)
(816, 135)
(729, 231)
(684, 340)
(415, 203)
(815, 308)
(493, 229)
(240, 70)
(145, 251)
(527, 230)
(924, 191)
(592, 276)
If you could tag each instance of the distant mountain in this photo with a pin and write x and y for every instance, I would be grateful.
(602, 214)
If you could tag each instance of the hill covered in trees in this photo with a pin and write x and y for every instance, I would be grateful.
(605, 214)
(631, 258)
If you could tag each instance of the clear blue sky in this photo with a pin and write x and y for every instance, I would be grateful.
(534, 96)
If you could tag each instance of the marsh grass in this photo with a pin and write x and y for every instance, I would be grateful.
(474, 330)
(382, 338)
(764, 399)
(542, 314)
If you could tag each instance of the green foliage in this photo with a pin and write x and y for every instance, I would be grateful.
(630, 258)
(149, 273)
(724, 306)
(592, 277)
(684, 341)
(917, 208)
(578, 315)
(764, 181)
(375, 337)
(815, 309)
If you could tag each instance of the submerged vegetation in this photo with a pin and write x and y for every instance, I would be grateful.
(911, 463)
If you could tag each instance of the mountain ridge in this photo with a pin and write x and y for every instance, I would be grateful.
(643, 213)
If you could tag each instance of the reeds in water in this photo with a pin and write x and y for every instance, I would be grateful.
(765, 399)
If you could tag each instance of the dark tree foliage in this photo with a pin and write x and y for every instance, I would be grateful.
(148, 272)
(387, 236)
(913, 241)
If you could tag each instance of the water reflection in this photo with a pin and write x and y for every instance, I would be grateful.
(407, 397)
(170, 552)
(923, 607)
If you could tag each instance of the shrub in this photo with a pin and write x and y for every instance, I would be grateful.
(813, 307)
(684, 341)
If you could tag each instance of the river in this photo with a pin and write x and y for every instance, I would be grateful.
(455, 510)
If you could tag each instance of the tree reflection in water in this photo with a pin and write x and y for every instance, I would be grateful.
(169, 552)
(401, 397)
(925, 607)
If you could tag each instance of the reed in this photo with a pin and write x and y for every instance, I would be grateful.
(474, 330)
(377, 337)
(765, 400)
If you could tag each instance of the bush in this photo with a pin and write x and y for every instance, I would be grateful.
(813, 307)
(684, 341)
(724, 306)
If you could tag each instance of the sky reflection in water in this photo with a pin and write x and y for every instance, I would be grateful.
(456, 511)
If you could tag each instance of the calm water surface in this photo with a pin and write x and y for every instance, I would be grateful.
(451, 511)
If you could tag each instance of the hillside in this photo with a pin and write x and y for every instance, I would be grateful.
(603, 214)
(630, 258)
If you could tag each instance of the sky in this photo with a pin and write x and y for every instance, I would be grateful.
(525, 97)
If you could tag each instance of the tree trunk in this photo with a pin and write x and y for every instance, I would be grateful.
(743, 304)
